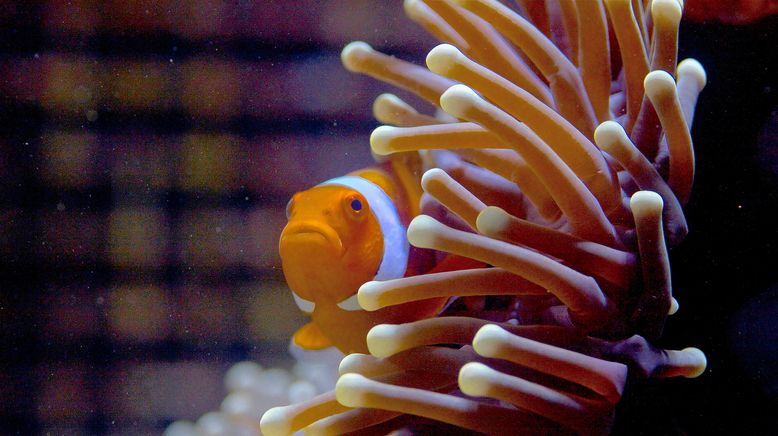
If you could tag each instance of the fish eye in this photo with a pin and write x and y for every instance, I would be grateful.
(355, 206)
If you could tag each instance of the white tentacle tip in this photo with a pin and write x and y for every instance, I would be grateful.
(474, 379)
(658, 82)
(458, 99)
(351, 53)
(387, 105)
(368, 294)
(350, 362)
(275, 422)
(693, 69)
(431, 175)
(669, 10)
(698, 357)
(381, 340)
(380, 140)
(645, 202)
(492, 221)
(442, 58)
(349, 390)
(489, 339)
(608, 134)
(423, 231)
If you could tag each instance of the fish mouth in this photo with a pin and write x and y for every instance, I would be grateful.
(313, 233)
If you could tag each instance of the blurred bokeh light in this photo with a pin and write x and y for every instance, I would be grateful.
(147, 152)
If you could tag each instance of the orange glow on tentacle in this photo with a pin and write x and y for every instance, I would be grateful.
(488, 186)
(350, 421)
(510, 165)
(660, 88)
(391, 109)
(610, 136)
(359, 391)
(489, 48)
(567, 87)
(588, 306)
(453, 195)
(569, 10)
(289, 419)
(614, 265)
(419, 12)
(535, 11)
(570, 144)
(633, 54)
(581, 208)
(654, 304)
(359, 57)
(666, 16)
(386, 140)
(603, 377)
(594, 55)
(567, 409)
(482, 281)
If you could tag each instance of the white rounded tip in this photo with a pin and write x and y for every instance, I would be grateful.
(646, 202)
(457, 99)
(432, 175)
(349, 389)
(381, 340)
(699, 358)
(658, 82)
(380, 140)
(275, 422)
(669, 10)
(608, 135)
(423, 231)
(488, 340)
(474, 379)
(351, 53)
(350, 362)
(368, 294)
(442, 58)
(180, 428)
(386, 106)
(242, 376)
(693, 69)
(674, 306)
(492, 221)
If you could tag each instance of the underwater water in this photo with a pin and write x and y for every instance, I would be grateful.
(147, 154)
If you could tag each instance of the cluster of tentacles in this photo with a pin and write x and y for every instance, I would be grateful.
(563, 159)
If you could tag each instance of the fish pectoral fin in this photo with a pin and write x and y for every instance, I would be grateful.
(310, 337)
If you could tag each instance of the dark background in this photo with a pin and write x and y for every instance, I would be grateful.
(147, 151)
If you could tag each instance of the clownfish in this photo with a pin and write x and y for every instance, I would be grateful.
(341, 234)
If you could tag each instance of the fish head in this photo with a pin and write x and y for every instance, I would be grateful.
(331, 245)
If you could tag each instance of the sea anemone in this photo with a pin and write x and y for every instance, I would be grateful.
(561, 157)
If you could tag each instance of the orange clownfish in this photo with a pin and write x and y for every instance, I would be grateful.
(341, 234)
